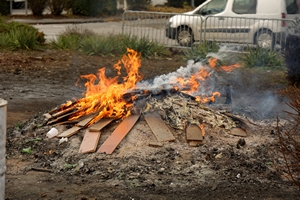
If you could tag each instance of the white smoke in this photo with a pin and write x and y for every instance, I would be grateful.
(167, 81)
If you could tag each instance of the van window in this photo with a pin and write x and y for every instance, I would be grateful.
(244, 6)
(213, 7)
(291, 7)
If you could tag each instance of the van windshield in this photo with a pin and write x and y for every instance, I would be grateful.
(213, 7)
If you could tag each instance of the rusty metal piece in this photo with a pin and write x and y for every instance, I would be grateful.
(119, 133)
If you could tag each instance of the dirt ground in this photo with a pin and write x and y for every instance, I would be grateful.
(224, 168)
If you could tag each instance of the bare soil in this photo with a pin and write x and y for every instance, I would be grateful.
(224, 168)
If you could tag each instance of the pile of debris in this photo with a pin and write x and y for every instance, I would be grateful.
(163, 108)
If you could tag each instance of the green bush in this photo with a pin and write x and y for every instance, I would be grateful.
(292, 59)
(86, 41)
(138, 4)
(16, 35)
(57, 6)
(198, 2)
(261, 57)
(177, 3)
(37, 6)
(4, 7)
(71, 38)
(93, 7)
(199, 51)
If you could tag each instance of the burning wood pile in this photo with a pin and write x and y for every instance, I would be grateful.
(179, 102)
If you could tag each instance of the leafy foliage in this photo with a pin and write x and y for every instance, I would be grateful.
(57, 6)
(71, 37)
(4, 7)
(261, 57)
(199, 51)
(93, 7)
(37, 6)
(16, 35)
(138, 4)
(289, 140)
(176, 3)
(292, 59)
(84, 40)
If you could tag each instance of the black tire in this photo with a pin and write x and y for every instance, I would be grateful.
(265, 39)
(185, 36)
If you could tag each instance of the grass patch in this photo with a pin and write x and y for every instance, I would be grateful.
(200, 51)
(16, 35)
(260, 57)
(83, 40)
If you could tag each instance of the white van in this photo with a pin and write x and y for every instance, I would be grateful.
(239, 21)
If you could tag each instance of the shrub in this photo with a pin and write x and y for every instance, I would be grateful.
(37, 6)
(57, 6)
(20, 35)
(287, 159)
(198, 2)
(199, 51)
(138, 4)
(177, 3)
(261, 57)
(93, 7)
(71, 37)
(4, 7)
(292, 59)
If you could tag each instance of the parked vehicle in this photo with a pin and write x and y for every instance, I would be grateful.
(261, 22)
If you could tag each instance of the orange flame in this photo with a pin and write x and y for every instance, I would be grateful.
(104, 95)
(194, 83)
(213, 64)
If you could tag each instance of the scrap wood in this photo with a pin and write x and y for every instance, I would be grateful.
(238, 132)
(62, 112)
(63, 106)
(62, 117)
(158, 127)
(70, 132)
(47, 116)
(194, 132)
(101, 124)
(41, 169)
(85, 121)
(119, 133)
(156, 144)
(89, 142)
(197, 143)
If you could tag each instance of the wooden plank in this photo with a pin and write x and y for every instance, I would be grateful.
(101, 124)
(197, 143)
(69, 132)
(238, 132)
(158, 127)
(193, 133)
(89, 142)
(84, 122)
(156, 144)
(119, 133)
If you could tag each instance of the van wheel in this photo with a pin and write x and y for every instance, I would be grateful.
(265, 39)
(185, 37)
